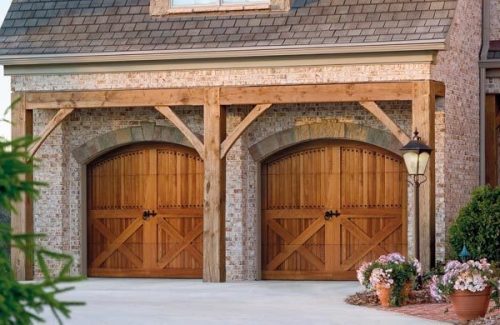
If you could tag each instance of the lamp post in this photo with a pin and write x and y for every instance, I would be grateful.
(464, 254)
(416, 155)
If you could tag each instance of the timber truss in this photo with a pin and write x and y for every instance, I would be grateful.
(216, 144)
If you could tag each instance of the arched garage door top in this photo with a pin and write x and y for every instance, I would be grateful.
(117, 138)
(324, 130)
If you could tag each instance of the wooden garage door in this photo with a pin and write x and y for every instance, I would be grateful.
(327, 207)
(124, 240)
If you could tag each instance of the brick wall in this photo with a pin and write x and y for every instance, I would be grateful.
(225, 77)
(494, 20)
(58, 209)
(57, 212)
(459, 145)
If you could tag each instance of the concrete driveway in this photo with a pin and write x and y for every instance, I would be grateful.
(158, 301)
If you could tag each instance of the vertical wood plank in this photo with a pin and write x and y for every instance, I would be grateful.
(150, 240)
(423, 117)
(334, 202)
(214, 255)
(491, 138)
(22, 219)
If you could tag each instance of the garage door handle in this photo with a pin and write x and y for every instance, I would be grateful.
(330, 214)
(146, 215)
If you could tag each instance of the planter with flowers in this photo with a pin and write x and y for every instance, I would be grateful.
(391, 276)
(468, 285)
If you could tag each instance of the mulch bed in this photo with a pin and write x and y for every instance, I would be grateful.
(420, 304)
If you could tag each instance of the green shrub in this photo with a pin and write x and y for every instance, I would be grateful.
(21, 303)
(478, 226)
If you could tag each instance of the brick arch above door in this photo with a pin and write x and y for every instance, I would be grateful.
(324, 130)
(111, 140)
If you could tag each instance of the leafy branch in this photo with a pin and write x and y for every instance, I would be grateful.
(21, 303)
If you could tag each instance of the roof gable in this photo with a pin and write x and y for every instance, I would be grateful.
(103, 26)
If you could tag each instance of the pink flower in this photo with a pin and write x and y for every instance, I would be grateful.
(470, 276)
(392, 258)
(360, 273)
(436, 294)
(382, 278)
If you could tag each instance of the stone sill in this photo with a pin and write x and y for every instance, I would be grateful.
(225, 8)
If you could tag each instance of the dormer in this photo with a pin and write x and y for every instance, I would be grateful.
(171, 7)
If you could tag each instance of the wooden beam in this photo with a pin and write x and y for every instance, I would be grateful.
(114, 98)
(423, 117)
(329, 93)
(491, 140)
(185, 130)
(22, 218)
(214, 248)
(439, 88)
(373, 108)
(53, 123)
(257, 111)
(326, 93)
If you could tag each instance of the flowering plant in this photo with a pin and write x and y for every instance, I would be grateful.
(389, 271)
(474, 276)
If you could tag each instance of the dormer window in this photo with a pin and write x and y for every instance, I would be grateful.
(169, 7)
(214, 3)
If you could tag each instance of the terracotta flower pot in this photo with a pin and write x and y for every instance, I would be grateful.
(471, 305)
(384, 294)
(406, 292)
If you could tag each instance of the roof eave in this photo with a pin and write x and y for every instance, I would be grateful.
(222, 53)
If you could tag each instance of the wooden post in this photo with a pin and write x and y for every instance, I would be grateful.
(423, 117)
(214, 248)
(22, 219)
(491, 140)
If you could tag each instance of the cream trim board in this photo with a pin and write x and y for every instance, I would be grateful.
(427, 56)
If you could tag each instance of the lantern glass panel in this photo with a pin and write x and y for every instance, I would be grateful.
(411, 162)
(423, 160)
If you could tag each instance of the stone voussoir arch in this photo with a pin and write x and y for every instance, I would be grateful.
(324, 130)
(106, 142)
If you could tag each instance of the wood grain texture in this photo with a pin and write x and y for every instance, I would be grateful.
(322, 93)
(192, 138)
(22, 218)
(257, 111)
(122, 185)
(114, 98)
(491, 140)
(423, 119)
(367, 185)
(373, 108)
(214, 255)
(53, 123)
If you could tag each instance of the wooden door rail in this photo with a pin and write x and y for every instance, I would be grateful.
(295, 244)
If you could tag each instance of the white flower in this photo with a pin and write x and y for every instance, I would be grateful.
(360, 273)
(379, 277)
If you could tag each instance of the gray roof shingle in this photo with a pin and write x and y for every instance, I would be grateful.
(97, 26)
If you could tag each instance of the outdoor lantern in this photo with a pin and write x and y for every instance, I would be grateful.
(416, 155)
